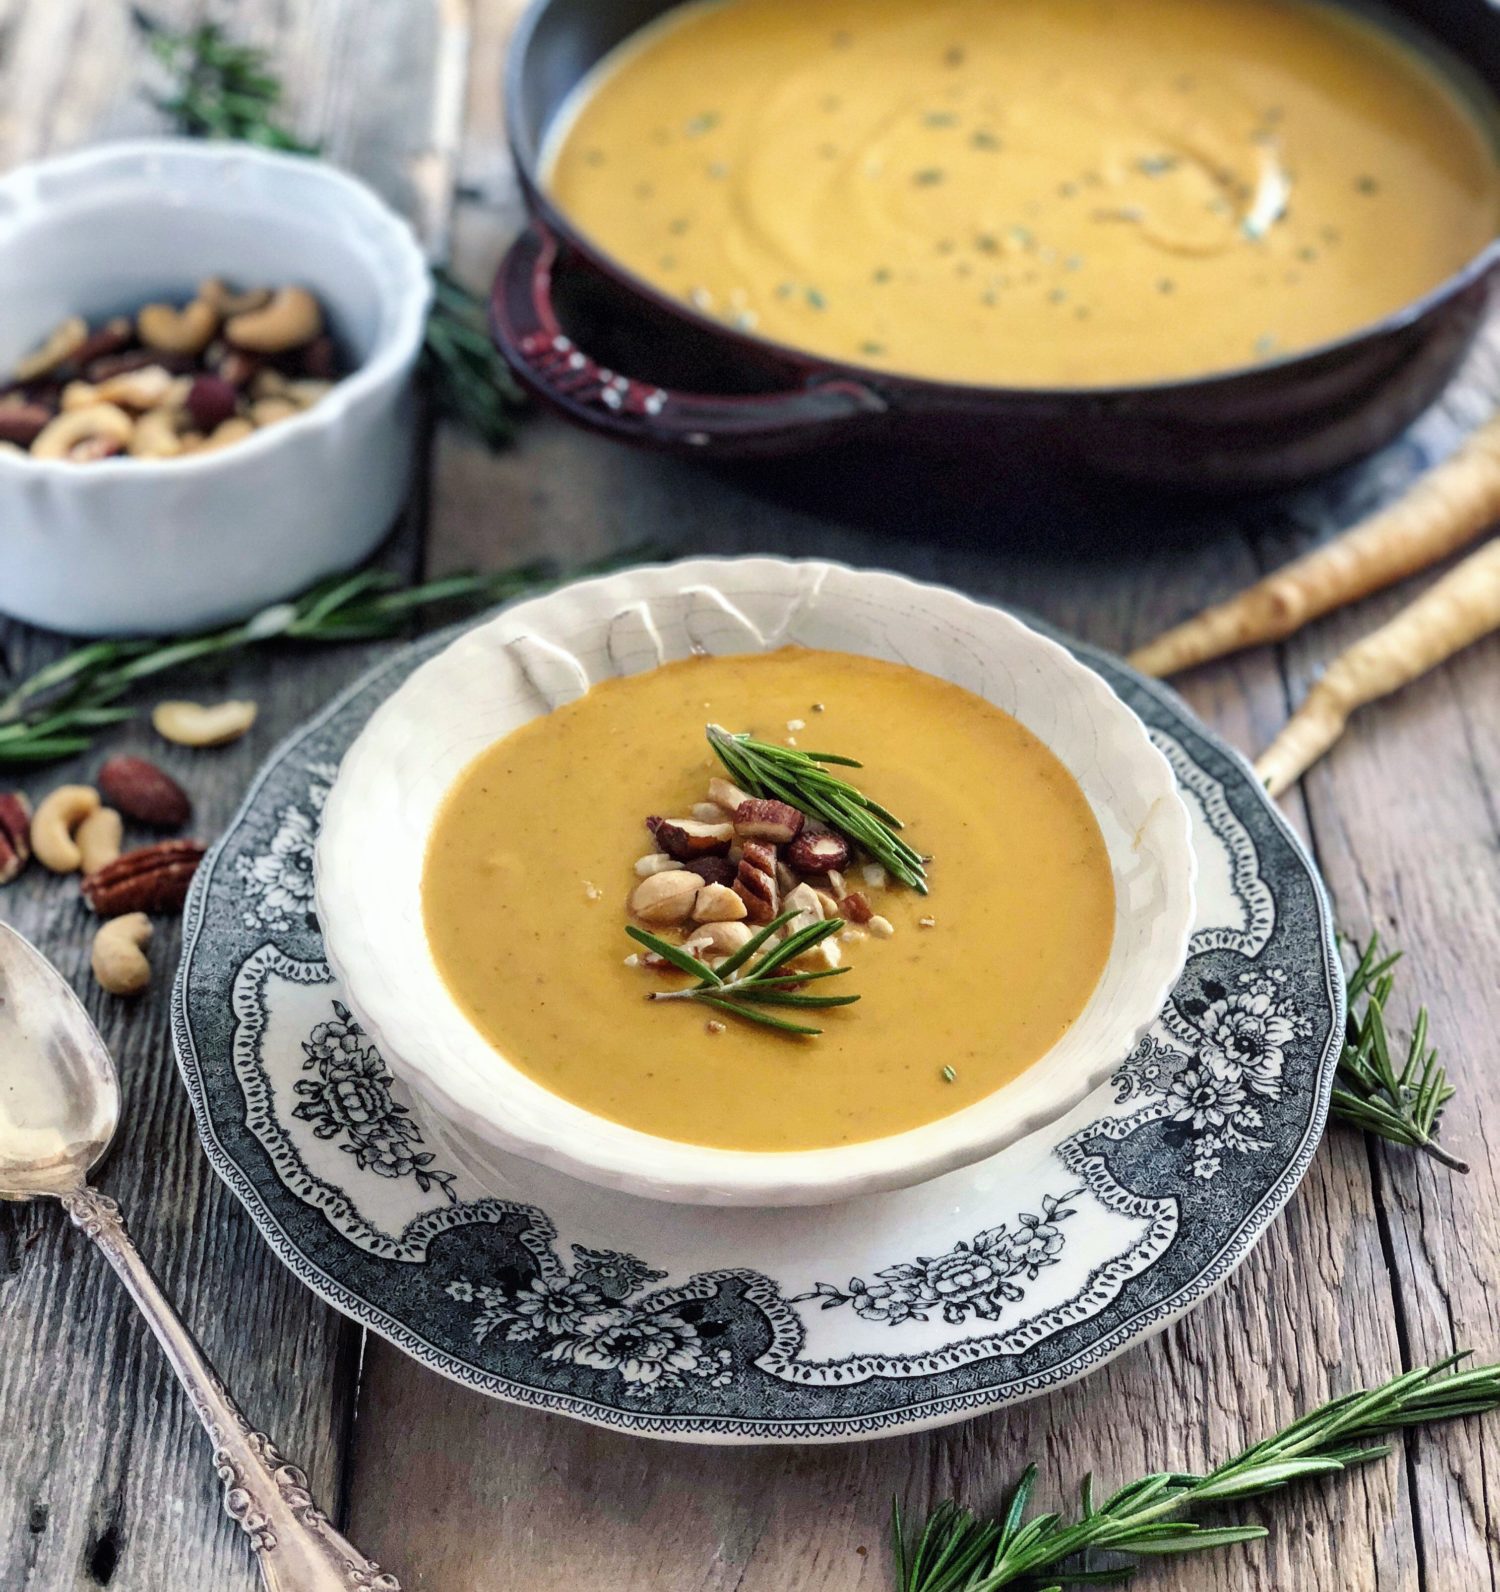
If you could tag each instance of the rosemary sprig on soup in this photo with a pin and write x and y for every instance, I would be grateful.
(538, 863)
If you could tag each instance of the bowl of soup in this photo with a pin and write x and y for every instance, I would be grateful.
(1218, 242)
(535, 842)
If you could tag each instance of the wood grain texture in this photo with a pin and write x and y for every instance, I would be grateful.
(1379, 1259)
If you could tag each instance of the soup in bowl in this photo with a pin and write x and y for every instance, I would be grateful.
(603, 935)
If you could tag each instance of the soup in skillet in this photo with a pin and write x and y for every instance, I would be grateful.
(1030, 192)
(539, 860)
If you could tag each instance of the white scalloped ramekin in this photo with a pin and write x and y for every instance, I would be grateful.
(159, 545)
(378, 817)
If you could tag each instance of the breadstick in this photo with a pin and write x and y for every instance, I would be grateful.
(1460, 608)
(1445, 510)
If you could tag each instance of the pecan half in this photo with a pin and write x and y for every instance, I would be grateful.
(761, 818)
(755, 884)
(685, 838)
(15, 834)
(144, 792)
(149, 879)
(816, 851)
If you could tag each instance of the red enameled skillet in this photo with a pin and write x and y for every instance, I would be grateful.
(620, 357)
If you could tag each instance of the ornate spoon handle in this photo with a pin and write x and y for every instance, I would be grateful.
(295, 1546)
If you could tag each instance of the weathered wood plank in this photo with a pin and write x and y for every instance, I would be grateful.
(104, 1473)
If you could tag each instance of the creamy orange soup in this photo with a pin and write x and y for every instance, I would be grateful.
(1030, 192)
(529, 869)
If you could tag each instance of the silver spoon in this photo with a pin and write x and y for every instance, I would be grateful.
(59, 1108)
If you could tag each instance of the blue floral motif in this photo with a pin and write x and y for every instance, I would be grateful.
(350, 1095)
(978, 1277)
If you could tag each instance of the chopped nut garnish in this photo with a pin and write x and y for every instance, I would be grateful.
(926, 923)
(714, 1026)
(761, 818)
(881, 928)
(717, 903)
(665, 897)
(708, 812)
(591, 891)
(728, 798)
(818, 851)
(875, 876)
(796, 724)
(656, 862)
(685, 838)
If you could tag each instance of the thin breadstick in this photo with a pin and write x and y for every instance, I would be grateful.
(1445, 510)
(1460, 608)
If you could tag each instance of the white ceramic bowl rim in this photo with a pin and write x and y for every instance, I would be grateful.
(396, 990)
(391, 251)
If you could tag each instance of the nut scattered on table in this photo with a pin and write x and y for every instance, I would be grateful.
(15, 834)
(54, 826)
(193, 724)
(118, 959)
(173, 379)
(144, 792)
(149, 879)
(100, 838)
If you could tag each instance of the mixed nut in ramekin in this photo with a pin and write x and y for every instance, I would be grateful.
(147, 540)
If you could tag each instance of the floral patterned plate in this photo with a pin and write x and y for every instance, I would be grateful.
(883, 1314)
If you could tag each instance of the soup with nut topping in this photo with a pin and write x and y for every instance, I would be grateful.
(1032, 192)
(541, 857)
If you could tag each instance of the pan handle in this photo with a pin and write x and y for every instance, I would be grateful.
(525, 327)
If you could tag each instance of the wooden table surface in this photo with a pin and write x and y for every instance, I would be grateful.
(1382, 1259)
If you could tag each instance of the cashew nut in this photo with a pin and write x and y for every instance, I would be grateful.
(132, 389)
(118, 960)
(185, 331)
(293, 317)
(192, 724)
(55, 823)
(235, 429)
(308, 391)
(84, 433)
(62, 341)
(216, 292)
(269, 411)
(155, 436)
(99, 838)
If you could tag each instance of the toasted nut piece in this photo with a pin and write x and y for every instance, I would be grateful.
(730, 798)
(760, 818)
(144, 792)
(881, 928)
(55, 823)
(708, 813)
(192, 724)
(665, 897)
(655, 862)
(836, 886)
(62, 342)
(818, 851)
(851, 935)
(875, 877)
(856, 907)
(111, 365)
(22, 423)
(755, 883)
(805, 903)
(306, 392)
(717, 903)
(210, 401)
(722, 938)
(292, 317)
(926, 923)
(714, 1026)
(148, 879)
(233, 430)
(15, 834)
(186, 331)
(81, 432)
(133, 389)
(109, 339)
(236, 367)
(268, 382)
(216, 292)
(272, 411)
(155, 436)
(712, 870)
(687, 837)
(118, 960)
(785, 877)
(99, 838)
(829, 905)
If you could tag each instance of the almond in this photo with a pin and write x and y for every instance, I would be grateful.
(721, 938)
(15, 834)
(881, 928)
(762, 818)
(144, 792)
(149, 879)
(818, 851)
(655, 862)
(717, 903)
(726, 797)
(684, 838)
(665, 898)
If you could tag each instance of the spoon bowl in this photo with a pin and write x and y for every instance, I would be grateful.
(59, 1095)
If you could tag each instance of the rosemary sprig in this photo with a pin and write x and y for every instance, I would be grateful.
(797, 777)
(220, 89)
(740, 988)
(59, 710)
(1370, 1092)
(956, 1551)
